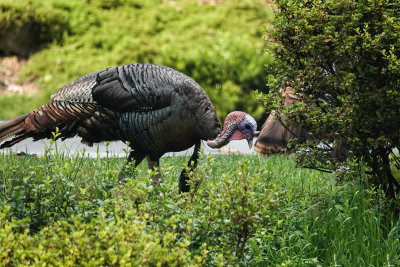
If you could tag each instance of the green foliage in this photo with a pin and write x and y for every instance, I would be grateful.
(121, 241)
(220, 45)
(347, 227)
(66, 208)
(31, 24)
(342, 58)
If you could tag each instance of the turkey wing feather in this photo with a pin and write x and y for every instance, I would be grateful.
(132, 88)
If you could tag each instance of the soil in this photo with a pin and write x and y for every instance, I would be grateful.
(9, 77)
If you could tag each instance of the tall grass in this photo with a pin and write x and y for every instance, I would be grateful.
(242, 209)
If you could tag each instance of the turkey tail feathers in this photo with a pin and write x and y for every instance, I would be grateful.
(14, 127)
(42, 122)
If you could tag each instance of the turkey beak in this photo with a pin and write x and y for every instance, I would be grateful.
(250, 144)
(250, 139)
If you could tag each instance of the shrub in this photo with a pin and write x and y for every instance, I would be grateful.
(220, 216)
(102, 241)
(342, 59)
(220, 45)
(26, 26)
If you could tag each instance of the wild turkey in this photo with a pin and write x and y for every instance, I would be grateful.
(274, 137)
(155, 108)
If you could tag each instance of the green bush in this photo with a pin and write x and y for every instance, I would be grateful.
(102, 241)
(220, 46)
(342, 59)
(26, 26)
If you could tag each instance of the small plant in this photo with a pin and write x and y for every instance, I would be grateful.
(199, 175)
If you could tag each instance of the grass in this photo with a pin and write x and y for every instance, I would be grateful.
(242, 209)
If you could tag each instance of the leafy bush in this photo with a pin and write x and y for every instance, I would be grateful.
(342, 59)
(102, 241)
(220, 46)
(25, 26)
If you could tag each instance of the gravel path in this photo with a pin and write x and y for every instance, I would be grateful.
(117, 148)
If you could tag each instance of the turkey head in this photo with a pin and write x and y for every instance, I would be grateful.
(237, 126)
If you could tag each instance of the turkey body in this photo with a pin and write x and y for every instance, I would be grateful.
(274, 136)
(155, 108)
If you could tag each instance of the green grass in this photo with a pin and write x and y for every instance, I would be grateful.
(244, 209)
(220, 46)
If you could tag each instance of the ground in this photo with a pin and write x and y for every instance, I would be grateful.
(9, 77)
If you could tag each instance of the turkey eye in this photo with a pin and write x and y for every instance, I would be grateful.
(247, 127)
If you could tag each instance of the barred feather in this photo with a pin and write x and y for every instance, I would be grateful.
(42, 122)
(274, 137)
